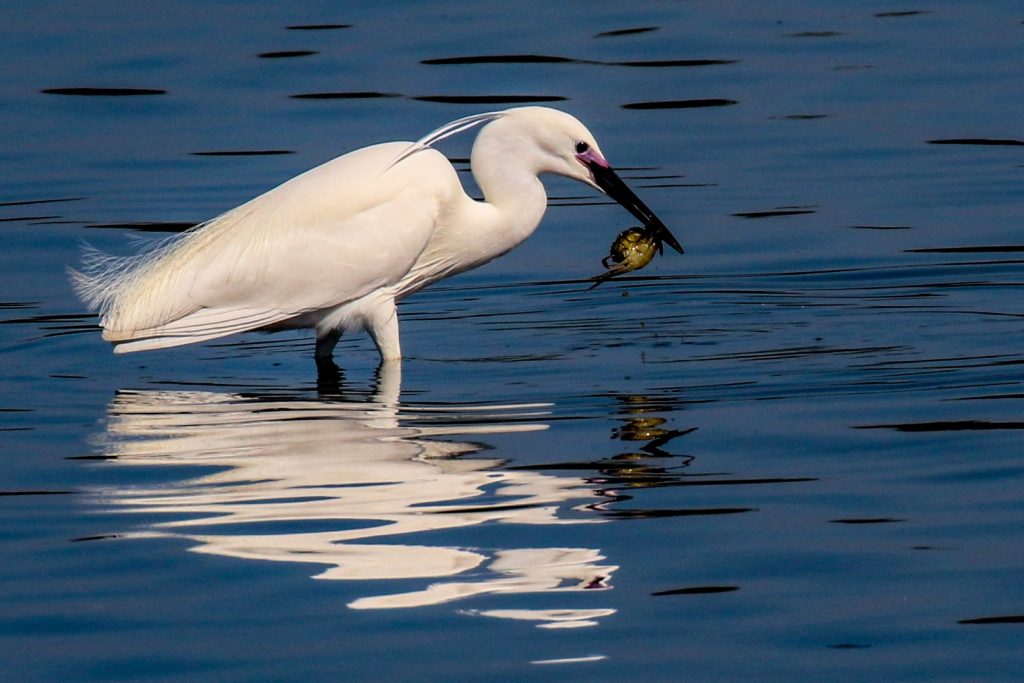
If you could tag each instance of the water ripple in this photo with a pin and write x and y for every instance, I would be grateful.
(350, 486)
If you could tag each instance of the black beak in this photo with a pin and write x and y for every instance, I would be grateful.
(612, 184)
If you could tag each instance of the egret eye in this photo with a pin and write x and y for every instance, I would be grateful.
(581, 147)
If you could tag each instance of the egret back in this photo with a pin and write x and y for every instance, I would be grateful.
(324, 238)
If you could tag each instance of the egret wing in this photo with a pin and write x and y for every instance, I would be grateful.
(323, 239)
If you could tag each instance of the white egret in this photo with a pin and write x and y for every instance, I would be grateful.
(336, 247)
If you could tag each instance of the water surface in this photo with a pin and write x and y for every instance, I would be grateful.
(792, 452)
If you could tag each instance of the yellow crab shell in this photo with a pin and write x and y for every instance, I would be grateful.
(632, 250)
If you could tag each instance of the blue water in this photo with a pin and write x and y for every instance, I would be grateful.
(792, 452)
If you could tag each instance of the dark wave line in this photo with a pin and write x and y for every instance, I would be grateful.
(697, 590)
(977, 141)
(51, 318)
(867, 520)
(660, 63)
(992, 249)
(441, 99)
(488, 99)
(989, 397)
(743, 482)
(317, 27)
(360, 95)
(686, 512)
(681, 104)
(153, 226)
(100, 537)
(772, 213)
(902, 13)
(26, 202)
(104, 92)
(814, 34)
(242, 152)
(946, 426)
(504, 59)
(557, 59)
(626, 32)
(15, 219)
(35, 493)
(285, 54)
(1008, 619)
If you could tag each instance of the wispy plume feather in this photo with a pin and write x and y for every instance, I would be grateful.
(446, 131)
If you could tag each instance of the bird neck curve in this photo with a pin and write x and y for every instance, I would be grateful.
(506, 168)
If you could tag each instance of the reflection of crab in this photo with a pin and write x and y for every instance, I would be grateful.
(632, 250)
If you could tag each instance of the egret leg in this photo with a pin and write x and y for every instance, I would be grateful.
(325, 343)
(383, 328)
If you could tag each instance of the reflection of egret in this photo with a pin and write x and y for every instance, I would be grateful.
(334, 248)
(318, 482)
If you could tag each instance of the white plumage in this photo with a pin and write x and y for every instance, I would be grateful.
(334, 248)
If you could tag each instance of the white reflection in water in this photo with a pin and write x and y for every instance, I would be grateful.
(357, 472)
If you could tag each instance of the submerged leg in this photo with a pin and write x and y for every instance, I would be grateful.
(383, 329)
(325, 343)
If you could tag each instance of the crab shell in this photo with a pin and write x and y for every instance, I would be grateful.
(632, 250)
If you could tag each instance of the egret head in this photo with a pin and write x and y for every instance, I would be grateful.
(566, 147)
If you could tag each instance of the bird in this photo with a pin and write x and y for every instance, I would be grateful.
(336, 247)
